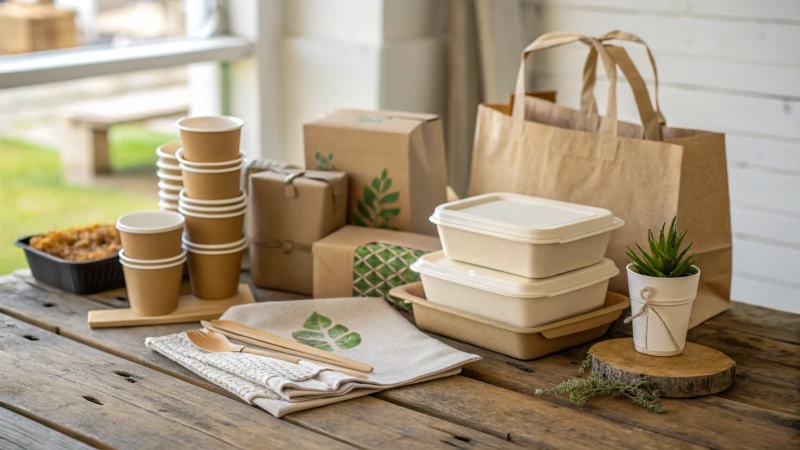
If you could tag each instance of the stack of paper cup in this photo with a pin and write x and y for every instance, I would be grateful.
(152, 259)
(170, 178)
(212, 203)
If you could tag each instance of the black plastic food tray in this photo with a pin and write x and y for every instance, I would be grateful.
(88, 277)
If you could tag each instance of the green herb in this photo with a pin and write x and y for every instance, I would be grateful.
(666, 259)
(375, 209)
(580, 390)
(339, 334)
(324, 162)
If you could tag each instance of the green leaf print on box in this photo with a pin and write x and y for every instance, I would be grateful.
(375, 209)
(337, 335)
(379, 267)
(324, 162)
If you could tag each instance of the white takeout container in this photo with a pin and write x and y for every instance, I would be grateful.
(511, 299)
(528, 236)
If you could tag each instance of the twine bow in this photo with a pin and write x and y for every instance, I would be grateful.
(290, 190)
(645, 294)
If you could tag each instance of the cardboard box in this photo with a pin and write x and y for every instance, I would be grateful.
(289, 211)
(367, 262)
(35, 27)
(395, 162)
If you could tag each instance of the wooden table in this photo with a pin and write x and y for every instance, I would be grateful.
(63, 385)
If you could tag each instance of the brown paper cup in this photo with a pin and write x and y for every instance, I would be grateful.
(151, 235)
(214, 274)
(196, 202)
(166, 205)
(166, 153)
(210, 138)
(168, 168)
(212, 184)
(213, 210)
(213, 229)
(153, 290)
(209, 165)
(171, 180)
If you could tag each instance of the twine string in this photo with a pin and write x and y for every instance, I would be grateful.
(645, 294)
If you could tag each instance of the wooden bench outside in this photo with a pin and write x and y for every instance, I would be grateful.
(84, 152)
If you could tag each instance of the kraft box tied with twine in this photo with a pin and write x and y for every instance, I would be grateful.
(289, 211)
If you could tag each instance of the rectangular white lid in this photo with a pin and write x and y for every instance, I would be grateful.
(525, 218)
(436, 264)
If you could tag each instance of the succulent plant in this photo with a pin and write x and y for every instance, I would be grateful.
(666, 259)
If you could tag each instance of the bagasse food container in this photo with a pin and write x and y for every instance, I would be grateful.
(511, 299)
(528, 236)
(89, 277)
(517, 342)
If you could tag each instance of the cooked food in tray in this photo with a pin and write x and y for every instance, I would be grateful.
(82, 243)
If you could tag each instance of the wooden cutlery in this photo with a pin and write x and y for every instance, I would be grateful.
(282, 353)
(274, 342)
(215, 343)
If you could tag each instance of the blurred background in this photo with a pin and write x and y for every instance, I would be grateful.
(89, 88)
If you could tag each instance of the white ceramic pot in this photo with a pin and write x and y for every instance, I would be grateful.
(660, 311)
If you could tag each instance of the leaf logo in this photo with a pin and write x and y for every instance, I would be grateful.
(375, 210)
(314, 334)
(324, 162)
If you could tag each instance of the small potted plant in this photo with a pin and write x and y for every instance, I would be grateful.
(663, 286)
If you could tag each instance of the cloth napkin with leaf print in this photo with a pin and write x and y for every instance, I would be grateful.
(365, 329)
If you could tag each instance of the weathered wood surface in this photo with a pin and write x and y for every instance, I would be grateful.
(106, 401)
(735, 424)
(522, 419)
(20, 433)
(698, 371)
(22, 297)
(760, 411)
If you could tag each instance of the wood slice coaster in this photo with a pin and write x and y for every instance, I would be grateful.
(698, 371)
(190, 309)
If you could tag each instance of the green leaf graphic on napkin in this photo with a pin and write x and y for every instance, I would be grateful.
(340, 334)
(375, 210)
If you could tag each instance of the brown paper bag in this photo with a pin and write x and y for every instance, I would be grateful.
(644, 174)
(395, 161)
(367, 262)
(289, 211)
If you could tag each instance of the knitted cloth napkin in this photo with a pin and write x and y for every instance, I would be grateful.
(365, 329)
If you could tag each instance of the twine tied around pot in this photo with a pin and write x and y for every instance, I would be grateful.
(645, 295)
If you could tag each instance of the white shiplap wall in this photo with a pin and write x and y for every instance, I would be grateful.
(724, 65)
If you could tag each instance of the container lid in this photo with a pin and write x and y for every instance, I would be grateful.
(438, 265)
(524, 218)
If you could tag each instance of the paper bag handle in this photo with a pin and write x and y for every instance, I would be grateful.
(651, 120)
(557, 39)
(642, 96)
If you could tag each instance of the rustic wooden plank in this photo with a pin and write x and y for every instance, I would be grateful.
(522, 419)
(19, 432)
(371, 417)
(108, 401)
(735, 424)
(28, 300)
(763, 322)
